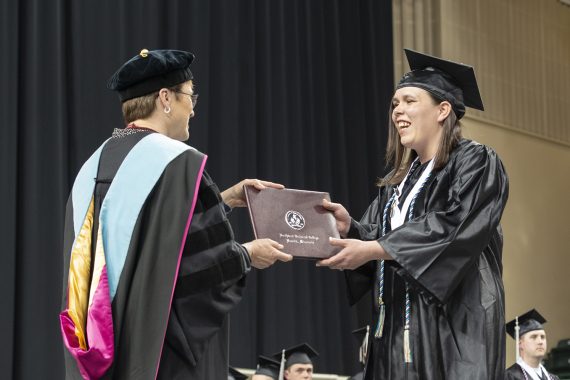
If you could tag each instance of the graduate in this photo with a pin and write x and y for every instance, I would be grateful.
(530, 338)
(267, 369)
(151, 267)
(234, 374)
(296, 362)
(430, 244)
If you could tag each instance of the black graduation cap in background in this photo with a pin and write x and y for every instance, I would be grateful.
(150, 71)
(529, 321)
(361, 335)
(300, 354)
(268, 367)
(234, 374)
(447, 80)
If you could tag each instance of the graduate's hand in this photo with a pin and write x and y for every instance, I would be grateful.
(354, 253)
(235, 197)
(265, 252)
(340, 214)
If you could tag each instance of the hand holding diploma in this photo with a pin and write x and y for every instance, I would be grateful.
(340, 214)
(265, 252)
(235, 196)
(354, 252)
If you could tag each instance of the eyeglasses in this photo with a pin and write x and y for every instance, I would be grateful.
(193, 97)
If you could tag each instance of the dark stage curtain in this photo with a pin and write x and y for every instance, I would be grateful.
(294, 91)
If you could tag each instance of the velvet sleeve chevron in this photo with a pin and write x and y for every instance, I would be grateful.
(210, 281)
(211, 256)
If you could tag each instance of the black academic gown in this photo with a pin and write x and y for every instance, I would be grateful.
(516, 372)
(450, 254)
(161, 332)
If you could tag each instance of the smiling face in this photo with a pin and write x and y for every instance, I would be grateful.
(418, 120)
(182, 112)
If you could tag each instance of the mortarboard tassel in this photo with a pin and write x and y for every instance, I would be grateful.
(517, 329)
(282, 366)
(363, 352)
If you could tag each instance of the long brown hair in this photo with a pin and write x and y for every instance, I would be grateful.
(400, 158)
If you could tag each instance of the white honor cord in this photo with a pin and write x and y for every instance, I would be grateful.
(399, 216)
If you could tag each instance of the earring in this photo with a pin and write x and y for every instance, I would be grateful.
(167, 109)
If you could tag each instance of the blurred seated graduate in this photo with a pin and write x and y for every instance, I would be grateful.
(296, 362)
(234, 374)
(530, 338)
(267, 369)
(362, 335)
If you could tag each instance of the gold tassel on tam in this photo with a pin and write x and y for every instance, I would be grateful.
(407, 351)
(380, 325)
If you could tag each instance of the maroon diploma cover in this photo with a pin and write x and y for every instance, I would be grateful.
(294, 218)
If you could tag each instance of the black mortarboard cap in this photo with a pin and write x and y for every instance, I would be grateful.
(529, 321)
(446, 80)
(150, 71)
(268, 367)
(300, 354)
(360, 333)
(234, 374)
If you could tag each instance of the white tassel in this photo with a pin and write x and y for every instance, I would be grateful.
(282, 366)
(364, 346)
(517, 329)
(407, 351)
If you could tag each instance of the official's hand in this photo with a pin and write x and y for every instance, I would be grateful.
(265, 252)
(340, 214)
(235, 197)
(354, 253)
